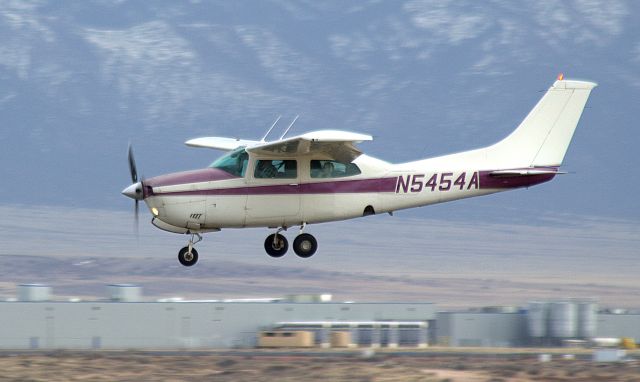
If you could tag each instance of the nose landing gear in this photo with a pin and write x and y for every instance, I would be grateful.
(188, 258)
(188, 255)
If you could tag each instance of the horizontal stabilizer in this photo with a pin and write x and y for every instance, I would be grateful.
(527, 171)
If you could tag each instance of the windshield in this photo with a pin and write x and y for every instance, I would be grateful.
(234, 162)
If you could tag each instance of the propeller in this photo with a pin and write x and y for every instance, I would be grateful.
(132, 166)
(134, 191)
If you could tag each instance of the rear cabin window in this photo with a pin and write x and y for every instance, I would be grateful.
(234, 162)
(332, 169)
(276, 169)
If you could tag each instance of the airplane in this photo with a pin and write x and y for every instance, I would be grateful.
(322, 176)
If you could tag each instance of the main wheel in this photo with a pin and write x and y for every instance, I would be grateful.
(305, 245)
(187, 258)
(277, 247)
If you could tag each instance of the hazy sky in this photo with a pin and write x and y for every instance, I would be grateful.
(79, 80)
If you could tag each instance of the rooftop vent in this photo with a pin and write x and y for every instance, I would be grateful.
(34, 292)
(125, 292)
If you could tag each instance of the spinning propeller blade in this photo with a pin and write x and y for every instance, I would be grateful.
(135, 190)
(132, 166)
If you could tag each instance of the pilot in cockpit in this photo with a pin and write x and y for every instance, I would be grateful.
(266, 169)
(327, 170)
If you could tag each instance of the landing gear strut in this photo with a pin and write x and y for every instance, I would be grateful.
(276, 245)
(188, 255)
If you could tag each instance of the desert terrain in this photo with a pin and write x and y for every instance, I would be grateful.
(292, 366)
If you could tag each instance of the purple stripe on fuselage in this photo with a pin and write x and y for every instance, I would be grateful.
(345, 186)
(513, 181)
(373, 185)
(194, 176)
(351, 186)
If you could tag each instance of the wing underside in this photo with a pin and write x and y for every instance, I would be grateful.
(336, 144)
(219, 143)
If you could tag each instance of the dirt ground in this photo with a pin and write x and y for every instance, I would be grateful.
(265, 366)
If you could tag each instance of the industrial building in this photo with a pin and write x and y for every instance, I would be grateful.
(482, 329)
(34, 320)
(123, 321)
(542, 323)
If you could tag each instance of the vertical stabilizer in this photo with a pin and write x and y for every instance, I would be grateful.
(544, 135)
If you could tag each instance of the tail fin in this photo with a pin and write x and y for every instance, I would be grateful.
(544, 135)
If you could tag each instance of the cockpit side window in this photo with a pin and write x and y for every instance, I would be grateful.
(332, 169)
(234, 162)
(276, 168)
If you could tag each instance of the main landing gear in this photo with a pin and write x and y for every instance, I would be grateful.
(304, 245)
(188, 255)
(276, 245)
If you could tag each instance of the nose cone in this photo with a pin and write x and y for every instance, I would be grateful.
(134, 191)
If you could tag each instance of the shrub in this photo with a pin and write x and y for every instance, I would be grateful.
(226, 363)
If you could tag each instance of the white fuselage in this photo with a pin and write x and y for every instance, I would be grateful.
(237, 202)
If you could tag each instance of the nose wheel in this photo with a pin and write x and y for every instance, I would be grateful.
(188, 255)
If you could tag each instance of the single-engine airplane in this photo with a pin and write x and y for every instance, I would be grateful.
(322, 176)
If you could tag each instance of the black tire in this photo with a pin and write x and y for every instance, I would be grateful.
(305, 245)
(187, 259)
(278, 250)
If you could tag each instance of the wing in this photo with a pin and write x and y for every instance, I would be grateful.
(219, 143)
(337, 144)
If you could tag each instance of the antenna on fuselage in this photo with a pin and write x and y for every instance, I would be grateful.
(289, 128)
(271, 128)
